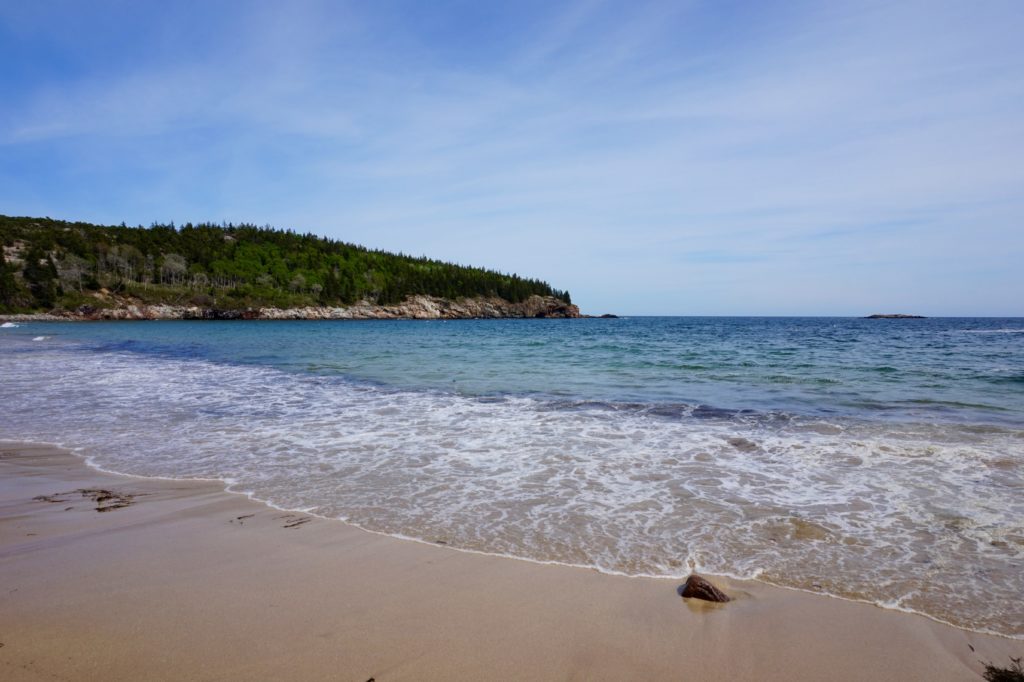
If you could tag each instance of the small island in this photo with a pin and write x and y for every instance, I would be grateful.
(894, 316)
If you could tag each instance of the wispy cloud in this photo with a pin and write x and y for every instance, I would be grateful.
(664, 157)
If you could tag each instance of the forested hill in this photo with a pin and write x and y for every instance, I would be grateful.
(51, 264)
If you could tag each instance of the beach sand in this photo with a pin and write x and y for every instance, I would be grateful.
(187, 581)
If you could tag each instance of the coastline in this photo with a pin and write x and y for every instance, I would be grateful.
(412, 308)
(189, 581)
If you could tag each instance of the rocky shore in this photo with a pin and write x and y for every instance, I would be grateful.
(413, 308)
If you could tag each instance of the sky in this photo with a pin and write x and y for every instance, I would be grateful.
(677, 158)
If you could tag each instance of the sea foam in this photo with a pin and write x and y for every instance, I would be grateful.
(929, 517)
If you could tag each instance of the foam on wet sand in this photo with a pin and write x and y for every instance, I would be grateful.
(184, 581)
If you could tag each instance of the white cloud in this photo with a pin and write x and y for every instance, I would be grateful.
(631, 155)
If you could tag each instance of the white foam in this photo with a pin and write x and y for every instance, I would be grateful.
(885, 510)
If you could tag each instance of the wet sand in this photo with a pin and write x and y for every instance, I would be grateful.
(168, 580)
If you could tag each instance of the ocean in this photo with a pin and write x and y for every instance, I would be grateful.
(876, 460)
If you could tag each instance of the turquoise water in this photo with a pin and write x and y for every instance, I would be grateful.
(948, 369)
(872, 459)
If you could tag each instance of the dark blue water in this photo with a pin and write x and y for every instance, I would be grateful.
(872, 459)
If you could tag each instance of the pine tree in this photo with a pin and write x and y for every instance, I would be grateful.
(8, 285)
(40, 274)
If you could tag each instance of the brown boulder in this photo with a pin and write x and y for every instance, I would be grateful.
(697, 587)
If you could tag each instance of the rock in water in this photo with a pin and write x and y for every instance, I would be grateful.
(699, 588)
(894, 316)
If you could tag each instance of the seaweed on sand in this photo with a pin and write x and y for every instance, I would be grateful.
(1012, 674)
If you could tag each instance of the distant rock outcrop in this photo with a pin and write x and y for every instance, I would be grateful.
(413, 308)
(894, 316)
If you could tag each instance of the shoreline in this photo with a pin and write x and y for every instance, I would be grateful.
(392, 609)
(675, 580)
(420, 307)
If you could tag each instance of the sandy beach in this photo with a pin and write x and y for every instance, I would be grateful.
(114, 577)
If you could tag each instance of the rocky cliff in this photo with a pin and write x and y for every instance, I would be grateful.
(414, 308)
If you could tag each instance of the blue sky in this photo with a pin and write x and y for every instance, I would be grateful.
(654, 158)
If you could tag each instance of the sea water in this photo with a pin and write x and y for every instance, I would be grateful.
(879, 460)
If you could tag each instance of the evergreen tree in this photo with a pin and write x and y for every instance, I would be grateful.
(8, 285)
(40, 274)
(331, 293)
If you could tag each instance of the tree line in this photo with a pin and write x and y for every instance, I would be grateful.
(47, 264)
